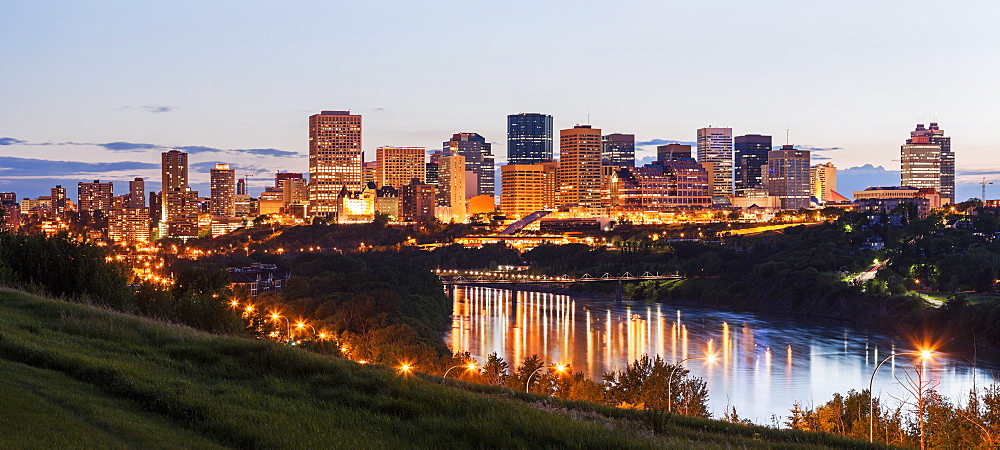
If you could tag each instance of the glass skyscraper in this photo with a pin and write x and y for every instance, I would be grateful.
(529, 138)
(751, 155)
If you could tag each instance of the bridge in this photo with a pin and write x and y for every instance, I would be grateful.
(470, 278)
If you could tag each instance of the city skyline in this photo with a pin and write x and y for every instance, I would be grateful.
(842, 84)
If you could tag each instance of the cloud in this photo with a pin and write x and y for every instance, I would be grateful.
(157, 109)
(663, 142)
(197, 149)
(817, 149)
(269, 152)
(10, 141)
(122, 146)
(378, 109)
(868, 168)
(820, 158)
(30, 167)
(979, 173)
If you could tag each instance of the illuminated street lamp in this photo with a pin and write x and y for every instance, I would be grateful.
(470, 366)
(276, 316)
(405, 368)
(710, 358)
(922, 354)
(558, 368)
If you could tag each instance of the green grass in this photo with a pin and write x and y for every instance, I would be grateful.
(975, 298)
(75, 376)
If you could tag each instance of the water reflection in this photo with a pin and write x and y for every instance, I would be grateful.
(763, 365)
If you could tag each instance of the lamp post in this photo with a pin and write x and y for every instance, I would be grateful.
(276, 316)
(557, 367)
(709, 358)
(470, 366)
(871, 394)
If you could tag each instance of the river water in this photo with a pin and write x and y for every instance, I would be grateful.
(762, 365)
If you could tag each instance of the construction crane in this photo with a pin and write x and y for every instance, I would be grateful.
(983, 184)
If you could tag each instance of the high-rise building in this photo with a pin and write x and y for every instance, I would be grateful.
(751, 154)
(451, 187)
(822, 181)
(241, 186)
(788, 176)
(136, 193)
(669, 184)
(369, 172)
(397, 166)
(526, 188)
(58, 199)
(432, 167)
(129, 224)
(618, 149)
(335, 159)
(95, 196)
(715, 147)
(418, 201)
(180, 203)
(673, 152)
(580, 167)
(529, 138)
(917, 165)
(223, 186)
(478, 158)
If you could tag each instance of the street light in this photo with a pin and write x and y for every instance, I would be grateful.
(405, 368)
(923, 354)
(276, 316)
(470, 366)
(710, 358)
(557, 368)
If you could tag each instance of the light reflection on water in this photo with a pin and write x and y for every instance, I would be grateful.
(763, 365)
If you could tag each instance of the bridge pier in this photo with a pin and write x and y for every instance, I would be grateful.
(618, 291)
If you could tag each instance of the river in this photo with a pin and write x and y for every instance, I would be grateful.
(763, 364)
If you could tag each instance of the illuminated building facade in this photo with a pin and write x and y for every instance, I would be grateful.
(671, 184)
(788, 176)
(580, 167)
(396, 166)
(526, 188)
(136, 193)
(673, 152)
(715, 147)
(529, 138)
(822, 181)
(618, 149)
(335, 159)
(223, 187)
(751, 154)
(451, 188)
(920, 163)
(478, 159)
(418, 201)
(95, 196)
(179, 202)
(934, 135)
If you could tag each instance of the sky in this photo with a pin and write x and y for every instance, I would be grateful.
(97, 89)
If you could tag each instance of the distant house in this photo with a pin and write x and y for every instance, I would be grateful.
(873, 243)
(258, 278)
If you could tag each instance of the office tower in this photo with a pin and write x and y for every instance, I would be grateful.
(672, 152)
(618, 149)
(155, 208)
(478, 159)
(8, 198)
(369, 172)
(94, 196)
(526, 188)
(335, 158)
(451, 187)
(280, 177)
(917, 166)
(241, 186)
(180, 204)
(580, 167)
(431, 168)
(129, 224)
(822, 181)
(418, 201)
(715, 147)
(223, 187)
(293, 188)
(529, 138)
(751, 153)
(136, 193)
(788, 176)
(397, 166)
(58, 199)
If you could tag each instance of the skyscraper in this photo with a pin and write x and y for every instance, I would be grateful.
(618, 149)
(137, 193)
(751, 155)
(580, 167)
(223, 186)
(95, 196)
(398, 166)
(822, 181)
(715, 147)
(529, 138)
(451, 187)
(788, 176)
(478, 159)
(526, 188)
(180, 204)
(918, 161)
(335, 158)
(672, 152)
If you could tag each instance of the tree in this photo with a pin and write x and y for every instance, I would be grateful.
(495, 370)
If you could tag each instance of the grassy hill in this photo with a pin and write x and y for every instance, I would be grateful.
(76, 376)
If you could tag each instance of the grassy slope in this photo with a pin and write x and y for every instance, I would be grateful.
(74, 376)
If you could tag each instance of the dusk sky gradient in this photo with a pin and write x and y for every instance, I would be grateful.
(86, 81)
